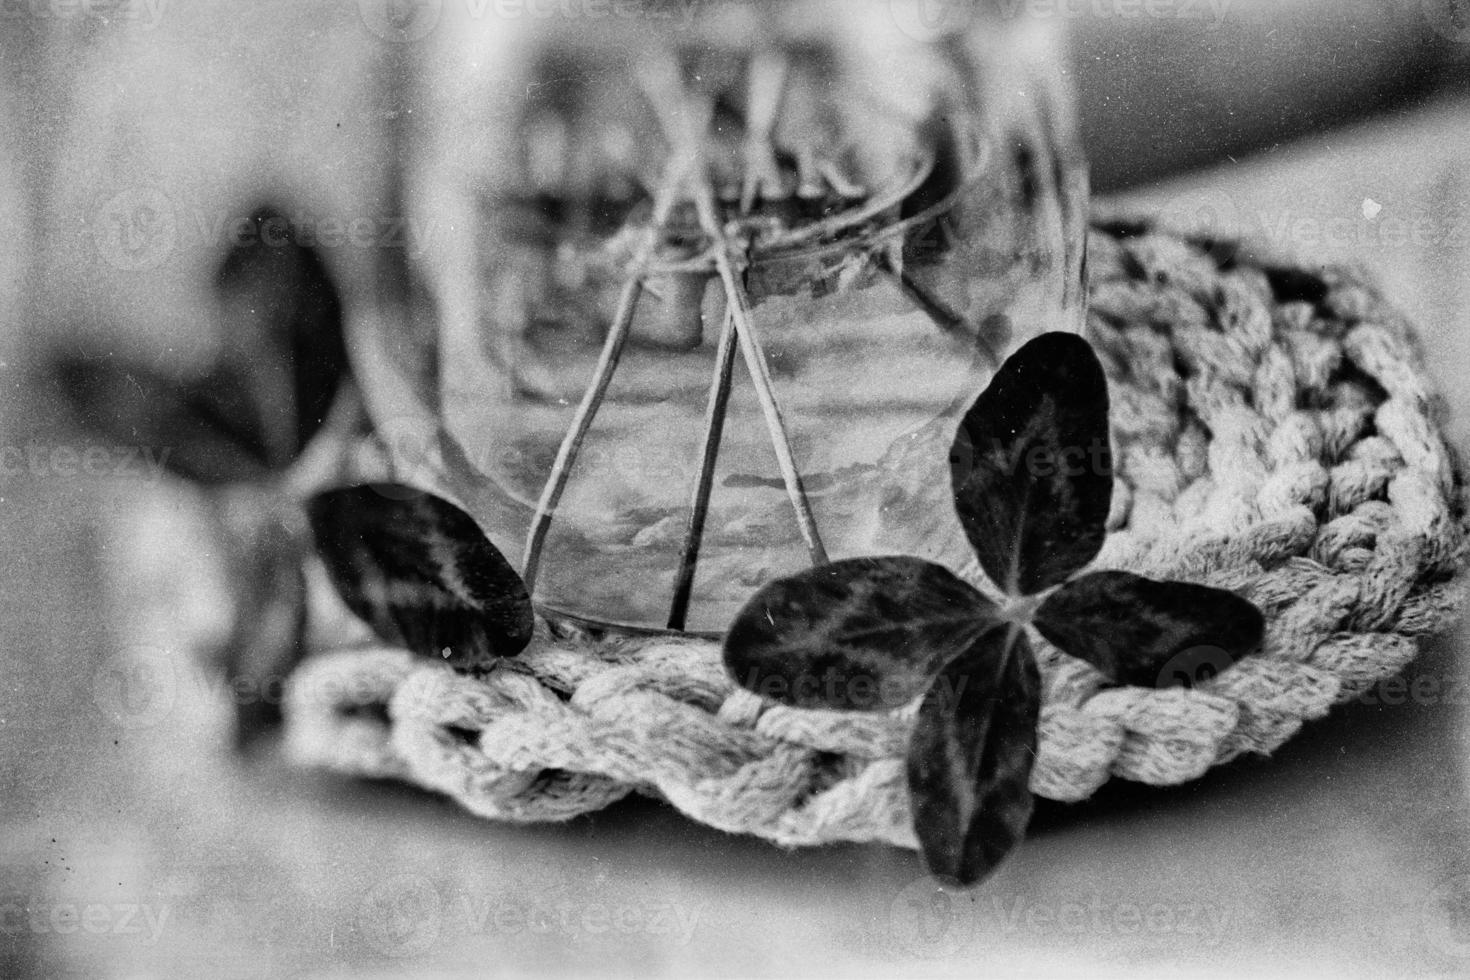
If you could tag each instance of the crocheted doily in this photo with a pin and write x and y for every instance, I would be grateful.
(1274, 435)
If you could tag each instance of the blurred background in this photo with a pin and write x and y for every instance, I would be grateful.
(148, 851)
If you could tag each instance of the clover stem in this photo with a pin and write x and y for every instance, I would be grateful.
(939, 311)
(607, 364)
(571, 446)
(714, 427)
(760, 376)
(685, 123)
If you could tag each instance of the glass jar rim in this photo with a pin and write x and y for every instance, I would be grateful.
(857, 228)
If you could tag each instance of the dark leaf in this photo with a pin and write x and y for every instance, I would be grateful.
(281, 321)
(203, 430)
(1032, 466)
(1131, 627)
(866, 634)
(267, 637)
(421, 573)
(281, 364)
(971, 755)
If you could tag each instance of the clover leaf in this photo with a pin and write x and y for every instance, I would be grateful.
(239, 429)
(421, 573)
(1032, 476)
(969, 763)
(262, 430)
(1034, 498)
(824, 638)
(280, 367)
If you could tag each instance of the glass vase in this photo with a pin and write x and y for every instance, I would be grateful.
(704, 288)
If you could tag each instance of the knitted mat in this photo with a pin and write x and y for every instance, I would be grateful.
(1274, 435)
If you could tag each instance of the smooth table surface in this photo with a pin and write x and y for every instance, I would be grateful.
(146, 850)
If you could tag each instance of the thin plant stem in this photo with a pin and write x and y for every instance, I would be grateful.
(760, 376)
(937, 310)
(714, 427)
(607, 364)
(571, 446)
(661, 78)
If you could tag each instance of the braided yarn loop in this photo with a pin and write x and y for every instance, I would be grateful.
(1274, 435)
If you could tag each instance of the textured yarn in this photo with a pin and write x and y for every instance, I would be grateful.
(1274, 435)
